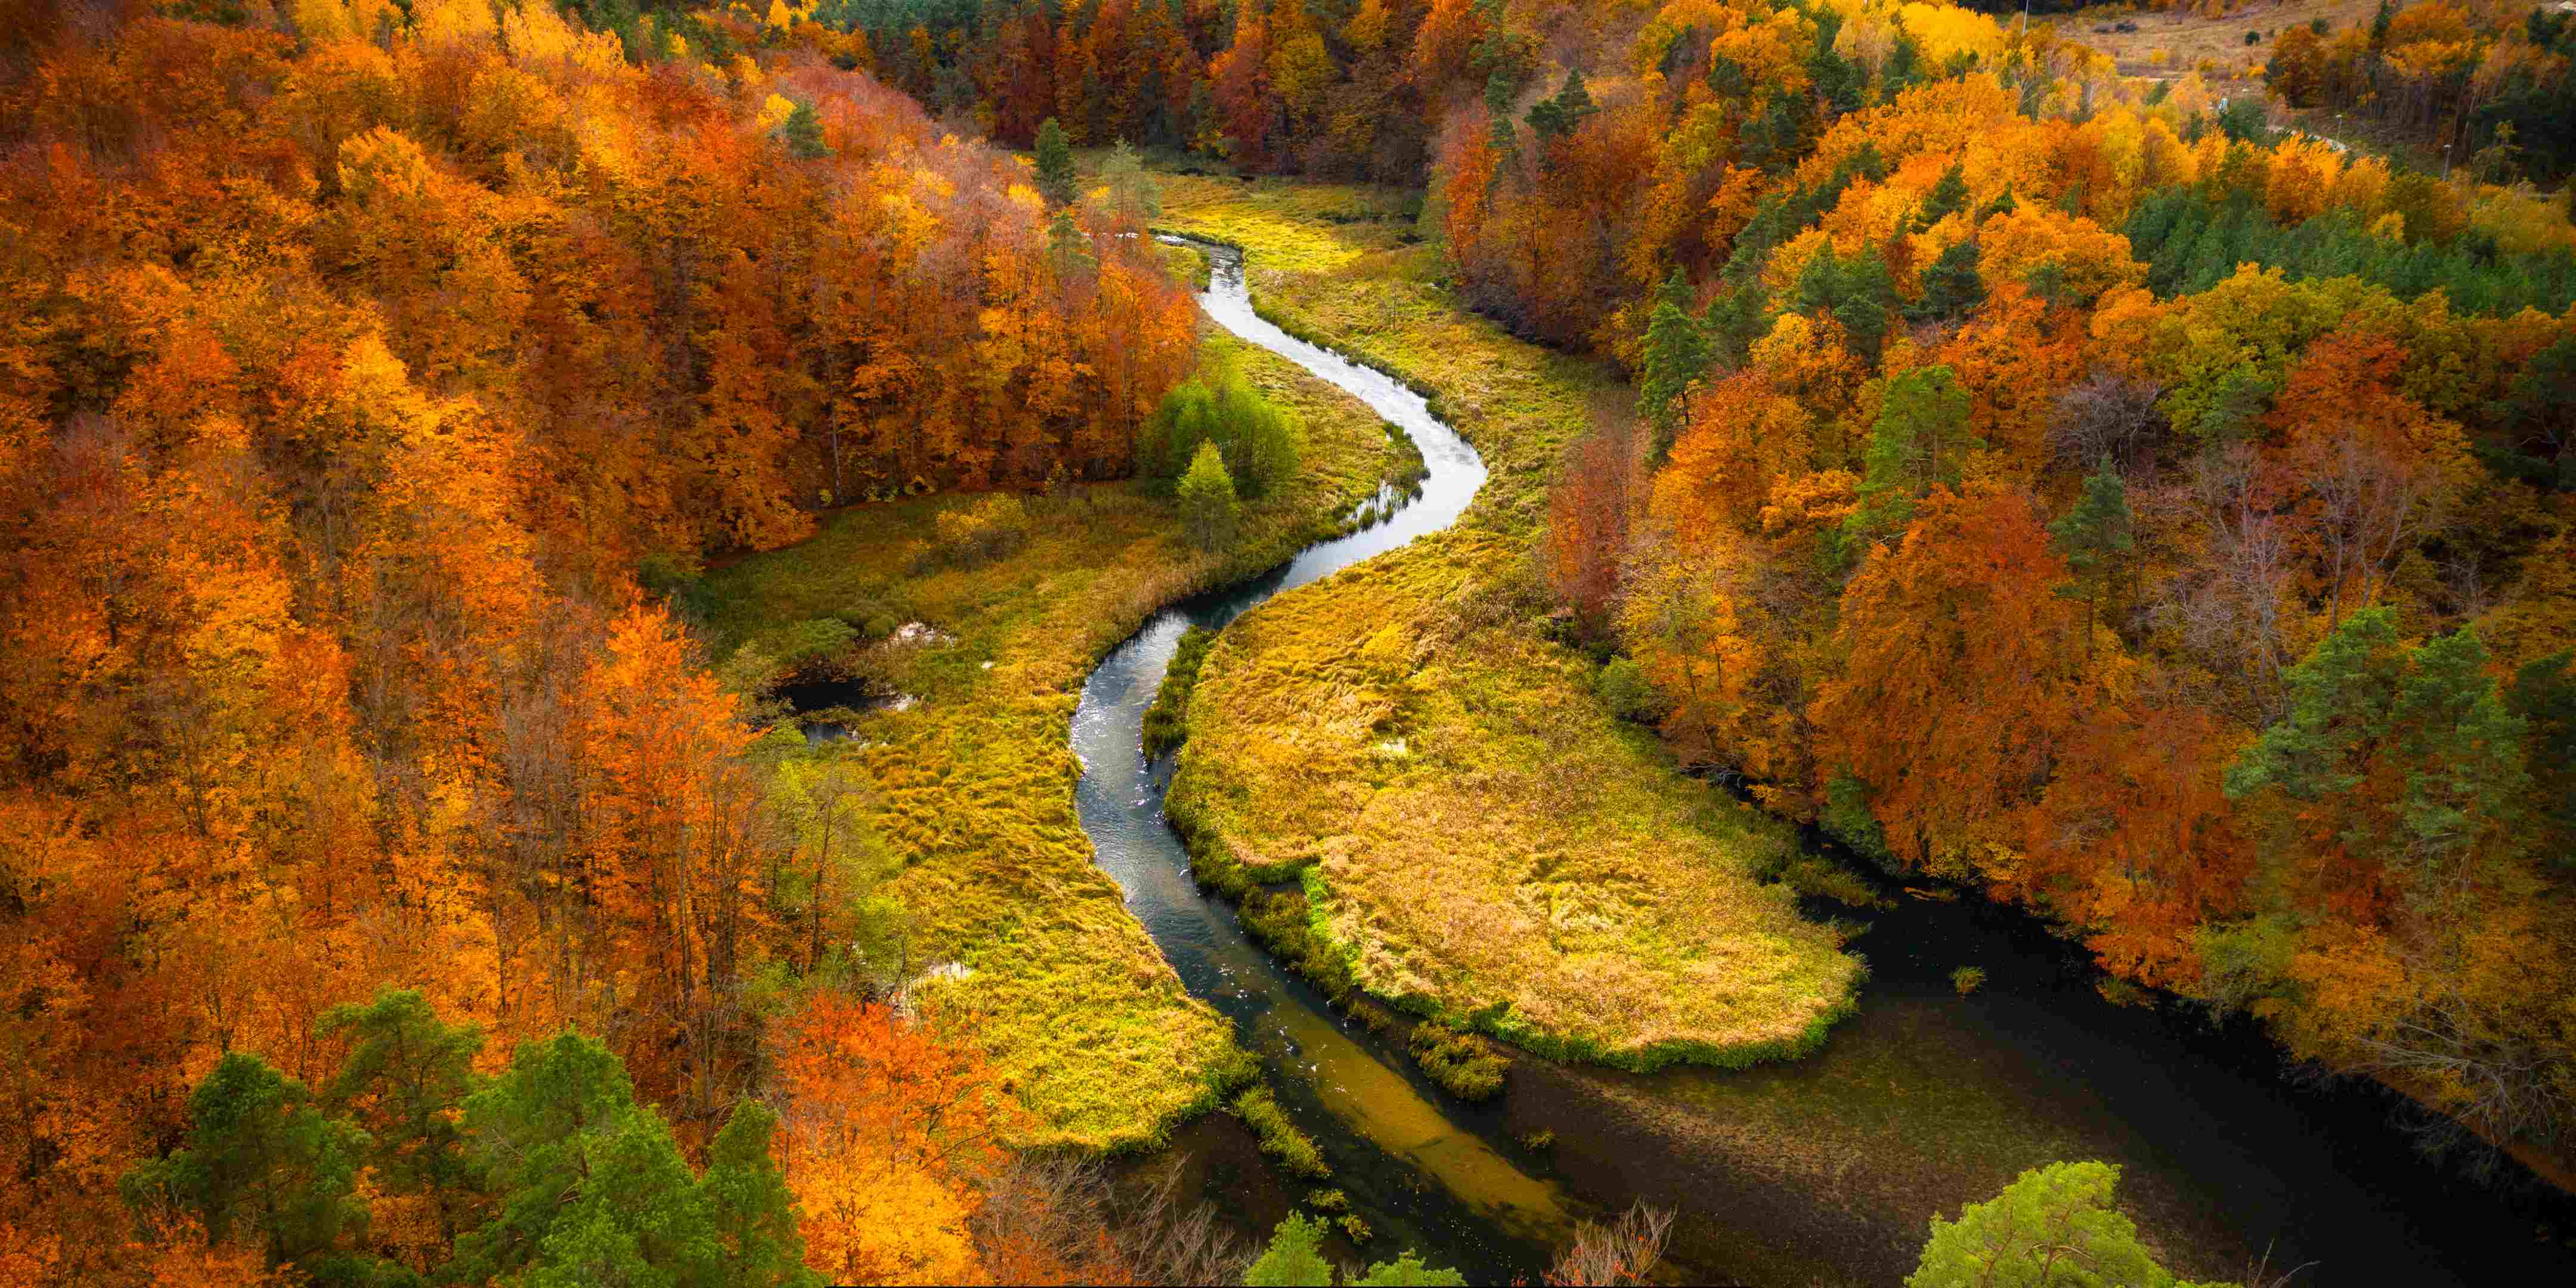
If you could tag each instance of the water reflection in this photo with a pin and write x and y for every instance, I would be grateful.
(1411, 1172)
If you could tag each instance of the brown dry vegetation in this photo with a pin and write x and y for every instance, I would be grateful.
(2190, 37)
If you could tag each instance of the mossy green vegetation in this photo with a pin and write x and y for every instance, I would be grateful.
(1469, 1066)
(973, 782)
(1476, 836)
(1165, 721)
(1292, 1149)
(2056, 1224)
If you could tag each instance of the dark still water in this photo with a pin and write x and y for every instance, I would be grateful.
(1821, 1171)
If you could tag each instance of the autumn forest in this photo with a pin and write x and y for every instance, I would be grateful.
(1022, 641)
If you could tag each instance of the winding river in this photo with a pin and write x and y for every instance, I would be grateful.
(1820, 1171)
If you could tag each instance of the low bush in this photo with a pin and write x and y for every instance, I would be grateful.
(990, 528)
(1624, 689)
(1811, 874)
(1280, 1139)
(1283, 921)
(1469, 1066)
(1259, 441)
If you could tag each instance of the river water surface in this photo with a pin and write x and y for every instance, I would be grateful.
(1824, 1170)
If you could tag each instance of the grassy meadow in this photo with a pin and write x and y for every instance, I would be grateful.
(1087, 1022)
(1476, 838)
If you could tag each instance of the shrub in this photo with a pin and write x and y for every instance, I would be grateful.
(1259, 441)
(669, 577)
(1328, 1201)
(1469, 1066)
(2253, 38)
(1847, 818)
(1280, 919)
(869, 617)
(2052, 1217)
(1208, 506)
(1538, 1140)
(1295, 1255)
(1624, 688)
(2120, 992)
(990, 528)
(1280, 1139)
(1356, 1228)
(1371, 1016)
(1811, 874)
(793, 645)
(1968, 979)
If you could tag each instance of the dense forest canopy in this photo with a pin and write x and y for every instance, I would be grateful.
(2054, 483)
(357, 358)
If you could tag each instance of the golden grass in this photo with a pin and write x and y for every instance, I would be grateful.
(1297, 227)
(1086, 1021)
(1479, 840)
(2169, 42)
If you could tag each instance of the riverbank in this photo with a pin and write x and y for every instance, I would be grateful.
(1083, 1017)
(1817, 1171)
(1476, 838)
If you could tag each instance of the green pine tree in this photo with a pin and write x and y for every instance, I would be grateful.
(749, 1207)
(1918, 440)
(1952, 287)
(1677, 353)
(1295, 1257)
(2363, 706)
(2466, 781)
(1056, 179)
(1209, 510)
(1735, 320)
(1865, 302)
(2339, 700)
(1948, 197)
(803, 133)
(2055, 1227)
(2095, 536)
(1903, 68)
(1408, 1271)
(1067, 245)
(1819, 286)
(1500, 90)
(1133, 193)
(402, 1083)
(561, 1118)
(2543, 696)
(1554, 118)
(262, 1163)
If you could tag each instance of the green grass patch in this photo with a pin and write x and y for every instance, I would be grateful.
(1292, 1149)
(1468, 1066)
(1085, 1020)
(1165, 721)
